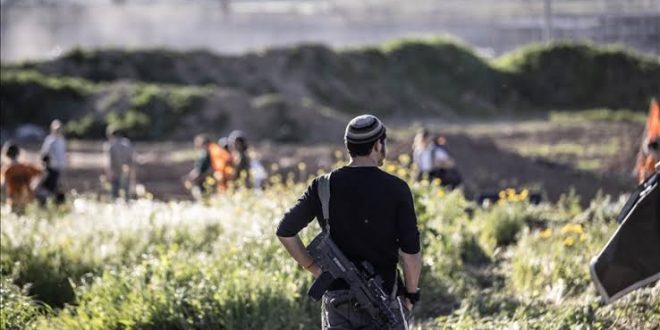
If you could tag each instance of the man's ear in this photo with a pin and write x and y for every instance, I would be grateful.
(377, 146)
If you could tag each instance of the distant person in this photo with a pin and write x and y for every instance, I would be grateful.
(239, 145)
(202, 168)
(120, 164)
(434, 161)
(213, 161)
(18, 178)
(444, 165)
(47, 187)
(258, 173)
(54, 147)
(222, 163)
(422, 153)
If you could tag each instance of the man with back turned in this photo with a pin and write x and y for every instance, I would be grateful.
(372, 218)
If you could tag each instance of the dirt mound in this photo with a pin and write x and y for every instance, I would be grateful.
(488, 168)
(150, 93)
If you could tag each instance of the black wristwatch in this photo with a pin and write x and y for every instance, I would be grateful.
(413, 297)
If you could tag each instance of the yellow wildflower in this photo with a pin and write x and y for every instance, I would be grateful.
(569, 241)
(302, 166)
(401, 172)
(502, 194)
(572, 228)
(391, 168)
(545, 233)
(404, 159)
(524, 194)
(437, 182)
(441, 193)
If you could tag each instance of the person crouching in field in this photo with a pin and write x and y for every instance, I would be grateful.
(213, 161)
(372, 218)
(120, 165)
(18, 178)
(239, 145)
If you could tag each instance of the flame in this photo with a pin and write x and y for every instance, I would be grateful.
(645, 162)
(653, 121)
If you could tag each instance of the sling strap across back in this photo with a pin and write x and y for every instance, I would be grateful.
(324, 196)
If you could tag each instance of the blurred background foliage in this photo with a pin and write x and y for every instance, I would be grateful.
(439, 77)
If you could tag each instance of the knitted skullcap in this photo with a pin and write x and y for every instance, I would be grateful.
(364, 129)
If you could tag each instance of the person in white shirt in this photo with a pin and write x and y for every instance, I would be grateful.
(423, 153)
(54, 147)
(434, 161)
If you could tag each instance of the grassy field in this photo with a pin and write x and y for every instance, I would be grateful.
(180, 265)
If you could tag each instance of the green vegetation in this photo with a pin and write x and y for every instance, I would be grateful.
(180, 265)
(598, 115)
(143, 111)
(409, 76)
(31, 97)
(569, 75)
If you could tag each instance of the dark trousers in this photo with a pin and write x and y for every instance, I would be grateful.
(339, 311)
(50, 187)
(121, 183)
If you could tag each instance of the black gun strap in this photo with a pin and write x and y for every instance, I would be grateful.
(324, 196)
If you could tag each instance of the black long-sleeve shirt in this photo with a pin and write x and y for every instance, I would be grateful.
(372, 216)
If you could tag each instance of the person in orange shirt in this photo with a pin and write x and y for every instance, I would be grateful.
(18, 179)
(214, 161)
(222, 163)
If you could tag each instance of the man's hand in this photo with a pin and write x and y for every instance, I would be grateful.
(408, 304)
(315, 270)
(297, 250)
(412, 268)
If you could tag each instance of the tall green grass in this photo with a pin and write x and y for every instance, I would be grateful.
(179, 265)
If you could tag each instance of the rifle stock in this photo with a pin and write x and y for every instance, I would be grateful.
(366, 286)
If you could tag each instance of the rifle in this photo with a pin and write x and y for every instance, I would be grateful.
(364, 283)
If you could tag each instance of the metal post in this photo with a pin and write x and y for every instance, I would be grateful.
(547, 30)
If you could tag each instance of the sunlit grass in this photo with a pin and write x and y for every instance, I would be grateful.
(217, 264)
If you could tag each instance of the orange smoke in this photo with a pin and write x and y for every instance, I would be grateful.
(645, 161)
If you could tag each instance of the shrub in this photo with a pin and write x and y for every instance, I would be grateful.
(500, 225)
(572, 75)
(16, 308)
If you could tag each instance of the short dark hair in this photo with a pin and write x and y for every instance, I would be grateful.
(363, 149)
(202, 138)
(12, 151)
(112, 131)
(654, 144)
